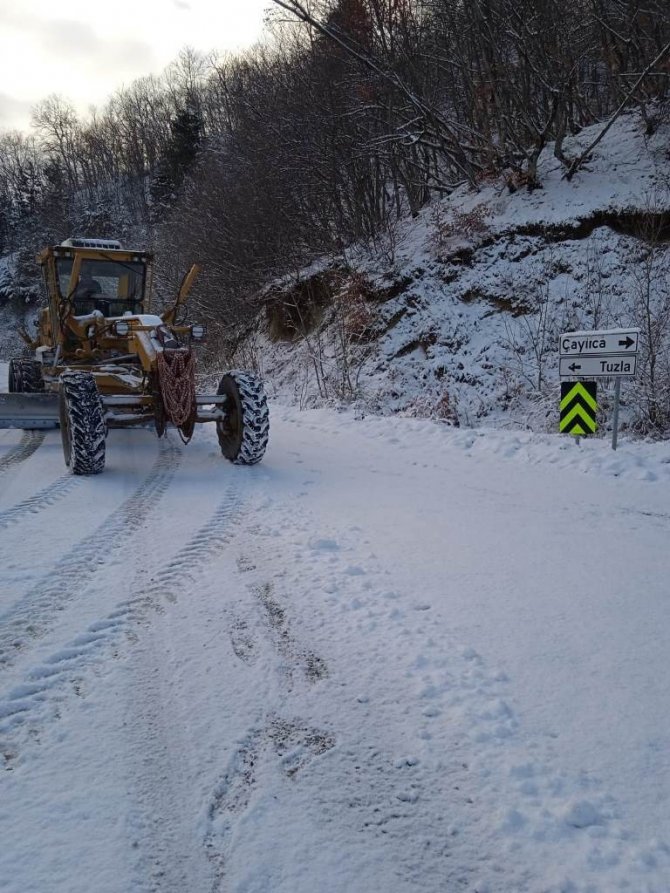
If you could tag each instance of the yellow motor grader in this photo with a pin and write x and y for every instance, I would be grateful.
(104, 360)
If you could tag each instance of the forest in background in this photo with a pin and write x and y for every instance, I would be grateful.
(349, 116)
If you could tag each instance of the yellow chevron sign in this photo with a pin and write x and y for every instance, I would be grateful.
(578, 407)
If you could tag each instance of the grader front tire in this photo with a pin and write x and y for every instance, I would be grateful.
(82, 423)
(243, 435)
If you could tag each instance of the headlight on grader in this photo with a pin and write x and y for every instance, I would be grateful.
(198, 332)
(121, 328)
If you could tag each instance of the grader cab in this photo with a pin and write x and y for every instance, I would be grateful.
(103, 359)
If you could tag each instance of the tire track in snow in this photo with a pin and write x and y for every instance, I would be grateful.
(159, 794)
(167, 861)
(313, 667)
(285, 747)
(29, 443)
(295, 657)
(187, 564)
(38, 699)
(41, 500)
(380, 799)
(29, 618)
(388, 802)
(277, 747)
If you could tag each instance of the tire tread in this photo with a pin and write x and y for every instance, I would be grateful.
(255, 418)
(86, 419)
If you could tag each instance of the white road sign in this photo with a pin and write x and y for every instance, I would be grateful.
(615, 366)
(610, 341)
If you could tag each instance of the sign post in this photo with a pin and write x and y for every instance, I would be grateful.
(615, 420)
(611, 353)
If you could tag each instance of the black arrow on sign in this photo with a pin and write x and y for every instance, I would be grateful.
(574, 367)
(627, 343)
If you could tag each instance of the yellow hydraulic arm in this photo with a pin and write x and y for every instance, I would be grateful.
(168, 316)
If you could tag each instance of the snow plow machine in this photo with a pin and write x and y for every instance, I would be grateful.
(104, 360)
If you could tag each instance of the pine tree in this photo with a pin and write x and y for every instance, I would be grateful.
(6, 283)
(179, 156)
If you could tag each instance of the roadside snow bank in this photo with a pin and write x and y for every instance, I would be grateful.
(634, 460)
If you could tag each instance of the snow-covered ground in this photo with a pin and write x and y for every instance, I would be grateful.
(392, 657)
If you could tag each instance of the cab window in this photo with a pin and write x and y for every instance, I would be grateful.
(112, 287)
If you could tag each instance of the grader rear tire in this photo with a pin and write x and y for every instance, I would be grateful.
(25, 377)
(82, 423)
(243, 435)
(13, 383)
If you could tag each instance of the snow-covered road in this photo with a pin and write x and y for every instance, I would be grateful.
(393, 657)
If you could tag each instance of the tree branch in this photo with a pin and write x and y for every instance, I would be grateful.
(577, 163)
(443, 129)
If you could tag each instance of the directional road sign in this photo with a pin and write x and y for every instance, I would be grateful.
(609, 341)
(615, 366)
(578, 407)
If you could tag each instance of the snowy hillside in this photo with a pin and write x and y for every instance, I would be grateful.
(393, 657)
(457, 313)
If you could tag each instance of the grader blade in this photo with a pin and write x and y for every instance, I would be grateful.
(29, 411)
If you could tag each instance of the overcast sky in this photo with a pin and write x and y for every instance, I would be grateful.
(85, 49)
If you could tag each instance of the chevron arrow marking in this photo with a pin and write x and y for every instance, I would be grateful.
(578, 391)
(578, 412)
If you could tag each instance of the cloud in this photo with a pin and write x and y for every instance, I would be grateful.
(68, 38)
(75, 41)
(86, 52)
(67, 57)
(14, 113)
(11, 15)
